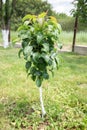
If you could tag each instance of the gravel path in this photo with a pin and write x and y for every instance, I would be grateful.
(65, 48)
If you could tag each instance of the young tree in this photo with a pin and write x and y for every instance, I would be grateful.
(80, 12)
(40, 37)
(6, 13)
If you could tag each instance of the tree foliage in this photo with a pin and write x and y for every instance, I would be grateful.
(24, 7)
(40, 37)
(80, 9)
(32, 7)
(6, 12)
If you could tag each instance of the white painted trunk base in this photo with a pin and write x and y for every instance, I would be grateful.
(5, 34)
(42, 104)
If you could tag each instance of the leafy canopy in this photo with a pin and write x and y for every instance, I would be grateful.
(40, 38)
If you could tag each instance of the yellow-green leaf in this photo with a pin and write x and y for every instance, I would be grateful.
(42, 15)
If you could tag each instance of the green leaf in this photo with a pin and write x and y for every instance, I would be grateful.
(39, 38)
(50, 27)
(28, 65)
(57, 62)
(32, 70)
(33, 77)
(28, 50)
(42, 66)
(36, 56)
(25, 57)
(45, 57)
(24, 43)
(45, 47)
(53, 19)
(38, 81)
(22, 27)
(45, 75)
(37, 73)
(54, 64)
(27, 17)
(20, 51)
(24, 34)
(53, 55)
(42, 15)
(50, 62)
(26, 22)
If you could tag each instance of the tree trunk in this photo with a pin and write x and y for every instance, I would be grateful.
(42, 104)
(7, 7)
(5, 23)
(6, 34)
(75, 30)
(9, 36)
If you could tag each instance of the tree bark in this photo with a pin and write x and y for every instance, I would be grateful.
(9, 36)
(75, 31)
(5, 35)
(42, 104)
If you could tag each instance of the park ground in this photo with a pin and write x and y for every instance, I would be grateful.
(65, 94)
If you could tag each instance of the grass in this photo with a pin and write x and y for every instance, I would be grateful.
(65, 95)
(65, 37)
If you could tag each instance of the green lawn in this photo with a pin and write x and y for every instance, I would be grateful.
(65, 38)
(65, 95)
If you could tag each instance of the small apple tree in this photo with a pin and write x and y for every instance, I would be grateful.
(40, 38)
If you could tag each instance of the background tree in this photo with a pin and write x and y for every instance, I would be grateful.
(6, 7)
(80, 12)
(24, 7)
(36, 6)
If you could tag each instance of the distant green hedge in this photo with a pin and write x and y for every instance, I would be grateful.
(68, 24)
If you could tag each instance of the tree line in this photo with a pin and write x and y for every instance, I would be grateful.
(21, 8)
(12, 12)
